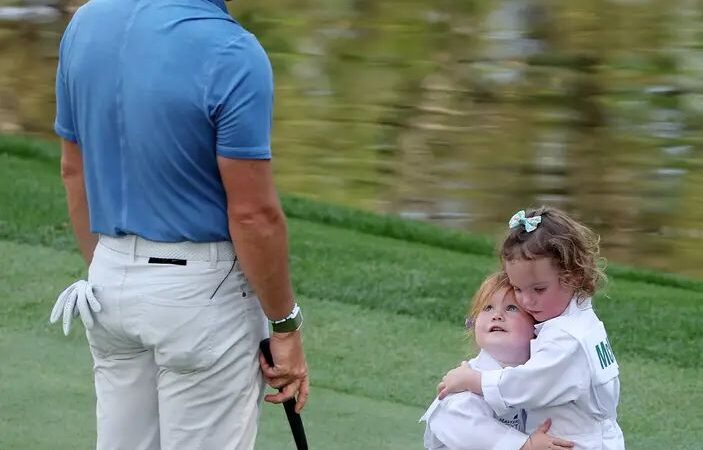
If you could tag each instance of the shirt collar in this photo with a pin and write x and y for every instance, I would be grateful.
(484, 361)
(574, 307)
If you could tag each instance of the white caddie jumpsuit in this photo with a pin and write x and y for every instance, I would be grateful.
(571, 377)
(464, 421)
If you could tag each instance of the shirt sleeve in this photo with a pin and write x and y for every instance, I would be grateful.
(63, 124)
(556, 373)
(464, 421)
(240, 100)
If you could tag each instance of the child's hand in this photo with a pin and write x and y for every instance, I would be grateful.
(540, 440)
(459, 379)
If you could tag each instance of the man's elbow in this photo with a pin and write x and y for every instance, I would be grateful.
(264, 218)
(71, 173)
(71, 162)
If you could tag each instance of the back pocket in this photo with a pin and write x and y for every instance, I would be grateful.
(180, 332)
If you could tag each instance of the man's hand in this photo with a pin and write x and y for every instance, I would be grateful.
(290, 371)
(459, 379)
(75, 300)
(540, 440)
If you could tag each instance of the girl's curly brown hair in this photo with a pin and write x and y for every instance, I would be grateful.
(573, 247)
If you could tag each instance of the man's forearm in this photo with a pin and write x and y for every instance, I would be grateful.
(261, 243)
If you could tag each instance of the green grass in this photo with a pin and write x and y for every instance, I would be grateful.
(52, 387)
(374, 375)
(407, 286)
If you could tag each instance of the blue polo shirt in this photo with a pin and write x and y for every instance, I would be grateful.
(153, 91)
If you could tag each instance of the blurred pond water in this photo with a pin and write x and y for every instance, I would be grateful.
(460, 112)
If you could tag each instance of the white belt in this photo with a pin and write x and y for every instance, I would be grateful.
(193, 251)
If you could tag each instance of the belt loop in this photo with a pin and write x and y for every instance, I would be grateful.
(213, 255)
(134, 248)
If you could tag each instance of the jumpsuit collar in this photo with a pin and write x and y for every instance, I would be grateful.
(574, 307)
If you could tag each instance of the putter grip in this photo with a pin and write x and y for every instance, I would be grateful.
(294, 419)
(265, 347)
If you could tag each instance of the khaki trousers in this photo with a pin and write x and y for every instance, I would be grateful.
(175, 348)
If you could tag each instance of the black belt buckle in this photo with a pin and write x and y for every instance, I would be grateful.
(174, 261)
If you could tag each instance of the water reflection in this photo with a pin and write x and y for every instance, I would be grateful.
(460, 111)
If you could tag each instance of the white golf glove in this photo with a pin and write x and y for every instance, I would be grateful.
(76, 300)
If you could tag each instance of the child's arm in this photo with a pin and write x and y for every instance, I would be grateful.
(556, 373)
(466, 422)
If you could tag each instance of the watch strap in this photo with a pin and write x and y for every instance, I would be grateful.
(290, 323)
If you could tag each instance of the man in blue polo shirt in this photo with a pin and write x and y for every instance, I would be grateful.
(164, 110)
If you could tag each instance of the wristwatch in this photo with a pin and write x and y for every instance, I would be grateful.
(292, 322)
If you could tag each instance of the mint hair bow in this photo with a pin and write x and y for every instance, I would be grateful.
(530, 223)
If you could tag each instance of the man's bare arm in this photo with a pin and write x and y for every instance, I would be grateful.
(259, 231)
(74, 182)
(258, 228)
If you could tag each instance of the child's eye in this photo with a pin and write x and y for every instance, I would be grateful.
(540, 290)
(516, 289)
(488, 307)
(512, 308)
